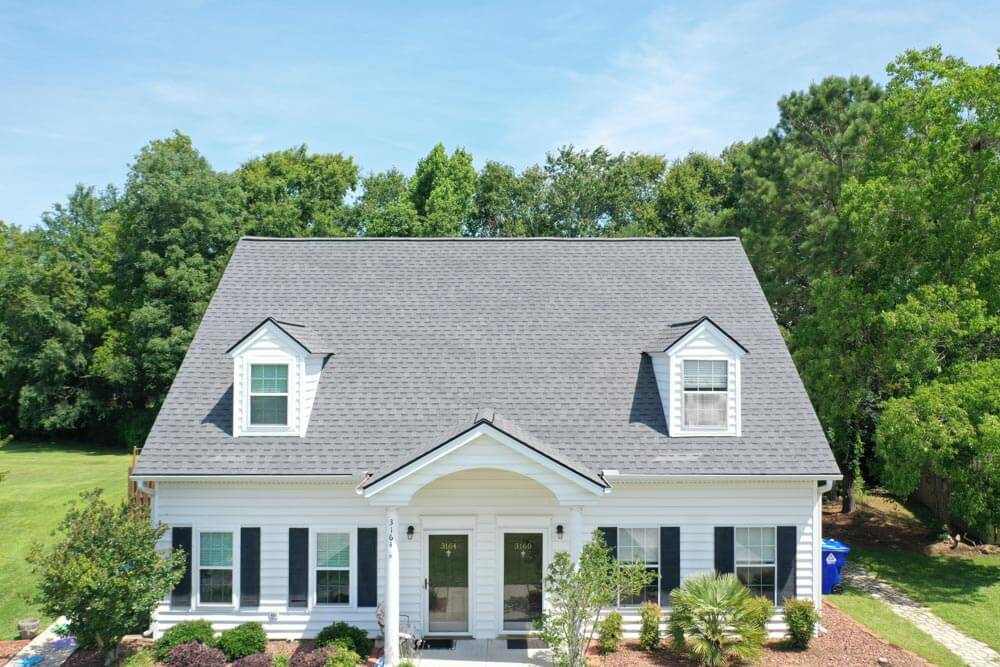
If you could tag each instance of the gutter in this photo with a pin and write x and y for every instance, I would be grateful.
(614, 474)
(241, 478)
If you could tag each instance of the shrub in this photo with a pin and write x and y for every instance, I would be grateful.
(315, 658)
(104, 572)
(406, 663)
(185, 632)
(243, 640)
(196, 655)
(143, 658)
(761, 610)
(357, 639)
(342, 658)
(255, 660)
(801, 618)
(649, 628)
(609, 637)
(281, 661)
(714, 620)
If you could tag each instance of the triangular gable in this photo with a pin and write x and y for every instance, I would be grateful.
(678, 335)
(418, 460)
(299, 334)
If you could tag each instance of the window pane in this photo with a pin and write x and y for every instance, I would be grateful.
(705, 375)
(216, 586)
(705, 409)
(333, 550)
(333, 587)
(269, 410)
(269, 378)
(649, 593)
(760, 580)
(216, 550)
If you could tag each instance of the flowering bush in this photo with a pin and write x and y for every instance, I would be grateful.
(196, 655)
(316, 658)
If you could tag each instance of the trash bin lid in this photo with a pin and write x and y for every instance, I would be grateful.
(830, 544)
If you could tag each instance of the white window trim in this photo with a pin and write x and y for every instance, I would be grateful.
(774, 566)
(722, 428)
(287, 395)
(196, 567)
(659, 561)
(352, 591)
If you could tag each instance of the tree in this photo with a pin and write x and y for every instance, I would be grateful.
(441, 192)
(577, 592)
(950, 428)
(178, 221)
(104, 572)
(384, 207)
(295, 193)
(507, 203)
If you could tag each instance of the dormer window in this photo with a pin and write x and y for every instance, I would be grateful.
(698, 370)
(706, 393)
(276, 370)
(269, 394)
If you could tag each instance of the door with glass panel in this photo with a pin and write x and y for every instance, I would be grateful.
(448, 583)
(522, 580)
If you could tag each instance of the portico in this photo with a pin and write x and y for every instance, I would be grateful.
(469, 528)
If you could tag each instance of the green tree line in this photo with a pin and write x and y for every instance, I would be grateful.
(870, 213)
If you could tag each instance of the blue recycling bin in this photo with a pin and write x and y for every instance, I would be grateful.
(834, 558)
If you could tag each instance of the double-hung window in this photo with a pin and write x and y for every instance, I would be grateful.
(215, 564)
(641, 545)
(333, 568)
(706, 393)
(268, 394)
(756, 553)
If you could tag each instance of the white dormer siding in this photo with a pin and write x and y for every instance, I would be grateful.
(705, 342)
(268, 345)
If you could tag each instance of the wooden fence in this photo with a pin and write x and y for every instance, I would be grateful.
(137, 500)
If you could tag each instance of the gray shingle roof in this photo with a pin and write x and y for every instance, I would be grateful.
(548, 332)
(673, 333)
(311, 341)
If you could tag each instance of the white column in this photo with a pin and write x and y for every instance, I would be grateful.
(391, 587)
(575, 532)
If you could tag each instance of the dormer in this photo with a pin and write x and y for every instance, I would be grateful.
(697, 368)
(276, 369)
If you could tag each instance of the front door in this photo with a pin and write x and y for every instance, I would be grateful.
(448, 583)
(522, 581)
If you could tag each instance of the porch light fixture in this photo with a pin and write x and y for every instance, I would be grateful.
(559, 531)
(409, 532)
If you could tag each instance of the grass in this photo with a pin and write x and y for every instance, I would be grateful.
(964, 591)
(40, 478)
(880, 619)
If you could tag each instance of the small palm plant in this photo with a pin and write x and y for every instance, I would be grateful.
(714, 620)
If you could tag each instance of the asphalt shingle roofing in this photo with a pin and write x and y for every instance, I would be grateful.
(549, 333)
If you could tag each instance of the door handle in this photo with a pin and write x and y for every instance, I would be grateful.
(425, 583)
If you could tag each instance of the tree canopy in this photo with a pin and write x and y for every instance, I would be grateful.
(870, 213)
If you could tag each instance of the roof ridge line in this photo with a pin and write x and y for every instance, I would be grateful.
(491, 239)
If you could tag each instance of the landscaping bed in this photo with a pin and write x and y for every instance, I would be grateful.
(845, 643)
(133, 645)
(9, 649)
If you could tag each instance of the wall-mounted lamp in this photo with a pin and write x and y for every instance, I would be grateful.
(409, 532)
(559, 531)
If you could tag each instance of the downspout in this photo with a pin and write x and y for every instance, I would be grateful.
(141, 485)
(825, 486)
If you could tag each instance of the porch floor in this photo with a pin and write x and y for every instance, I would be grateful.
(481, 652)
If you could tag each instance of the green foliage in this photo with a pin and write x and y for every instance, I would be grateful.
(347, 636)
(610, 633)
(103, 571)
(950, 427)
(761, 610)
(801, 618)
(577, 592)
(281, 661)
(714, 620)
(186, 632)
(142, 658)
(406, 663)
(243, 640)
(342, 657)
(649, 627)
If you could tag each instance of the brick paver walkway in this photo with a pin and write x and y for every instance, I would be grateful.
(972, 651)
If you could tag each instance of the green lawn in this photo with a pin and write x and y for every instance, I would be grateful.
(41, 477)
(877, 617)
(963, 591)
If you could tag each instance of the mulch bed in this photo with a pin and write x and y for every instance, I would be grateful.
(133, 644)
(9, 649)
(846, 642)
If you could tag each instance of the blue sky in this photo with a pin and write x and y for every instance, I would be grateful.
(83, 86)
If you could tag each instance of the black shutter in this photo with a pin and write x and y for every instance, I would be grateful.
(367, 567)
(670, 561)
(298, 567)
(611, 539)
(181, 595)
(785, 584)
(249, 567)
(725, 554)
